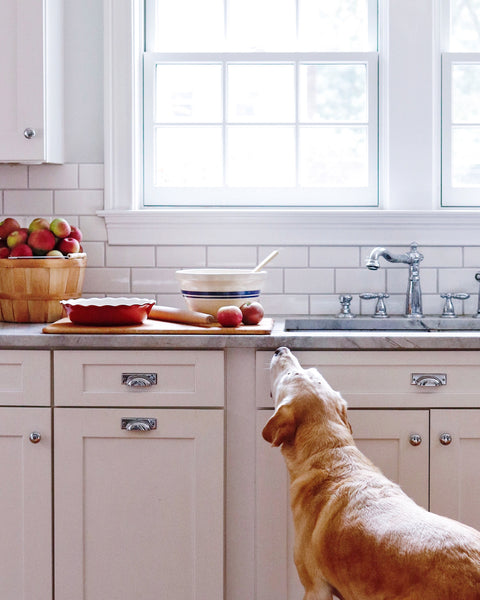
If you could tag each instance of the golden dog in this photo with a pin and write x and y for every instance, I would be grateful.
(357, 535)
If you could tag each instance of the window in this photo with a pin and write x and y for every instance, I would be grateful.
(461, 107)
(261, 103)
(410, 153)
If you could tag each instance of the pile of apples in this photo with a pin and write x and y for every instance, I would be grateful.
(40, 238)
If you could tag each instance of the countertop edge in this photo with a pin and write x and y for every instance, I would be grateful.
(30, 336)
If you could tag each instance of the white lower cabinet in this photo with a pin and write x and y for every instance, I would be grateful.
(138, 514)
(431, 452)
(25, 504)
(139, 475)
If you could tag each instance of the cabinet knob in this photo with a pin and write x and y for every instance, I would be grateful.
(445, 439)
(35, 437)
(29, 133)
(415, 439)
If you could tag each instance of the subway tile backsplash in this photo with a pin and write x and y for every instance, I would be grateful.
(302, 280)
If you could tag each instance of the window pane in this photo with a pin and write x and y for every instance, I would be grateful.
(189, 25)
(466, 93)
(329, 25)
(466, 156)
(188, 156)
(260, 156)
(260, 25)
(261, 93)
(465, 25)
(188, 93)
(333, 93)
(333, 156)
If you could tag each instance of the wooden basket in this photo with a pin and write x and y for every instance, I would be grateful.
(31, 288)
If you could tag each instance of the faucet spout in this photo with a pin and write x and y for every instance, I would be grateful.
(413, 307)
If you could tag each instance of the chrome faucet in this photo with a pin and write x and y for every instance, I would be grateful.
(413, 307)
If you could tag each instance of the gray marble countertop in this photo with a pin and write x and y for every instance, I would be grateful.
(30, 336)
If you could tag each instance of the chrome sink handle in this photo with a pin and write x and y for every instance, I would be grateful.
(477, 277)
(345, 311)
(448, 309)
(380, 308)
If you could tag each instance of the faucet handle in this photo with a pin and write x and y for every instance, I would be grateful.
(380, 308)
(345, 312)
(448, 309)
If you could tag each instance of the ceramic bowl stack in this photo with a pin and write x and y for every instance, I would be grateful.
(206, 290)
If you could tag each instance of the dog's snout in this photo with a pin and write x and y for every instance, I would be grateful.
(280, 350)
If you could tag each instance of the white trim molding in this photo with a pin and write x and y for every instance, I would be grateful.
(292, 227)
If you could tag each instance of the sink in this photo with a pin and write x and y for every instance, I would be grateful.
(398, 323)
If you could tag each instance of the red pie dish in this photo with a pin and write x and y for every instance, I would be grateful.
(108, 311)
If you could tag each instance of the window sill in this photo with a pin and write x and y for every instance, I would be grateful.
(171, 226)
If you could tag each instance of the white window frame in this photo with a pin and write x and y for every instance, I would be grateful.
(454, 196)
(409, 143)
(265, 196)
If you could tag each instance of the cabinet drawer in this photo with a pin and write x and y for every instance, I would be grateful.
(24, 378)
(130, 378)
(384, 378)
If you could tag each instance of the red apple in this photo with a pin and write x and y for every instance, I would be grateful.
(229, 316)
(60, 227)
(38, 223)
(7, 226)
(41, 241)
(19, 236)
(68, 245)
(76, 233)
(21, 250)
(4, 252)
(252, 313)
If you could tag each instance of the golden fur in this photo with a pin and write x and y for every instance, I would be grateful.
(356, 533)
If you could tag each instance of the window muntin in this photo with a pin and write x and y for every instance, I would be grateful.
(265, 124)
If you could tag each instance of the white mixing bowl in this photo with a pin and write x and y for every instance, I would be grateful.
(206, 290)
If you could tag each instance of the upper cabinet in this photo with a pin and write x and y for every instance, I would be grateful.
(31, 72)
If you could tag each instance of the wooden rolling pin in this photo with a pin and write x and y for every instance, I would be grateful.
(179, 315)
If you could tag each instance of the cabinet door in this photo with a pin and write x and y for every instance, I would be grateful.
(138, 514)
(384, 436)
(29, 68)
(455, 473)
(25, 505)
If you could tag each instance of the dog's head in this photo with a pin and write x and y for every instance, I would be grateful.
(302, 397)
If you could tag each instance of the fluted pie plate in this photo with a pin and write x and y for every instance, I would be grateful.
(108, 311)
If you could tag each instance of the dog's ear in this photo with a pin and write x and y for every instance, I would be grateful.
(281, 427)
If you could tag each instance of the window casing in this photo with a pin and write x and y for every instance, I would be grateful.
(409, 155)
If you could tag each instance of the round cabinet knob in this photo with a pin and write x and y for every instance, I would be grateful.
(415, 439)
(29, 133)
(445, 439)
(35, 437)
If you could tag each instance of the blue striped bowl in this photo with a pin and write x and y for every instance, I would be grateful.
(206, 290)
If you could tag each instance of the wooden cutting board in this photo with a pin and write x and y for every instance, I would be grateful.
(160, 327)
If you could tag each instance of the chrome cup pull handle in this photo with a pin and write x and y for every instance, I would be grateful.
(428, 379)
(138, 424)
(136, 380)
